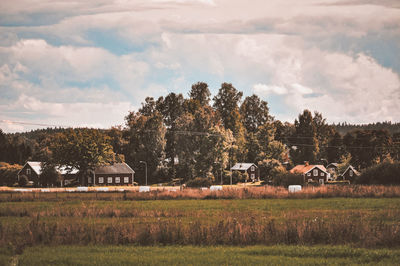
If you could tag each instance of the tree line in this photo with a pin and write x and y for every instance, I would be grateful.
(201, 137)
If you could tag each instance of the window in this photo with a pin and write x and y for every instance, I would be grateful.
(321, 181)
(117, 179)
(322, 174)
(350, 172)
(308, 174)
(309, 180)
(253, 176)
(252, 168)
(89, 180)
(28, 171)
(315, 172)
(101, 180)
(126, 179)
(109, 180)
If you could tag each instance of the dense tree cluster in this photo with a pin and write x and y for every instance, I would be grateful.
(191, 137)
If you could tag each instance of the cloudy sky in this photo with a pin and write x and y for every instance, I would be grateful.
(88, 63)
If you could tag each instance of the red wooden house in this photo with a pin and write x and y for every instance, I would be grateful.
(311, 173)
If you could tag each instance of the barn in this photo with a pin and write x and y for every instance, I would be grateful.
(118, 174)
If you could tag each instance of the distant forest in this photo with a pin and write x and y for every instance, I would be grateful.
(344, 128)
(189, 137)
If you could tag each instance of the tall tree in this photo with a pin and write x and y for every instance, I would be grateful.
(171, 108)
(367, 147)
(146, 142)
(200, 93)
(324, 133)
(254, 113)
(193, 150)
(148, 107)
(304, 142)
(335, 149)
(83, 149)
(226, 102)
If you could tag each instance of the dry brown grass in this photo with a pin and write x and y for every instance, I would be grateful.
(267, 192)
(230, 231)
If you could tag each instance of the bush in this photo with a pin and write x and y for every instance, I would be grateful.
(386, 173)
(23, 181)
(286, 178)
(199, 182)
(227, 178)
(8, 173)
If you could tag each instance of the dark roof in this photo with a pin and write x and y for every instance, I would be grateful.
(117, 168)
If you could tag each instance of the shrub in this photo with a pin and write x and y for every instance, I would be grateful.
(386, 173)
(23, 180)
(286, 178)
(8, 173)
(227, 177)
(199, 182)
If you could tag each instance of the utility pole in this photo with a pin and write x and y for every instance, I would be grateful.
(145, 164)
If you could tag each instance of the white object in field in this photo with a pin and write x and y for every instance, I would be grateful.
(172, 189)
(204, 188)
(45, 190)
(70, 190)
(294, 188)
(144, 189)
(102, 189)
(215, 188)
(120, 190)
(23, 190)
(82, 189)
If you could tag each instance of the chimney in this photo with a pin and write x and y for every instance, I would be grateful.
(306, 163)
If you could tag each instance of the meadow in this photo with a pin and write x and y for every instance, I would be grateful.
(195, 255)
(249, 223)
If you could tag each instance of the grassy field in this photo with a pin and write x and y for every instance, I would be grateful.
(360, 222)
(192, 255)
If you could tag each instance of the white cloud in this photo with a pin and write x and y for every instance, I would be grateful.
(277, 49)
(77, 114)
(265, 90)
(301, 89)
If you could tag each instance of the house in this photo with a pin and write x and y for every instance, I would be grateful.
(118, 174)
(349, 174)
(312, 173)
(332, 168)
(250, 168)
(32, 170)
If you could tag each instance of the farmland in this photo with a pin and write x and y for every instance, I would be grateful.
(357, 222)
(259, 225)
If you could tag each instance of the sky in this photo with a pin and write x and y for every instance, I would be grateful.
(88, 63)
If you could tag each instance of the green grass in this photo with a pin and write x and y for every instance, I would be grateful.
(217, 255)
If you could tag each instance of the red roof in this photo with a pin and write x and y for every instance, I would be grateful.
(303, 169)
